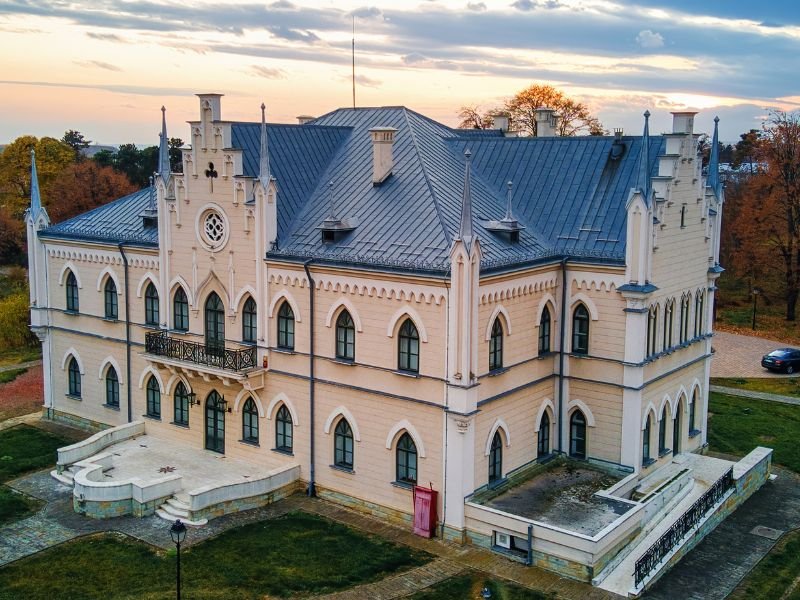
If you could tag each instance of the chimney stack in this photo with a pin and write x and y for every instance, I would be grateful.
(683, 122)
(500, 121)
(382, 161)
(546, 122)
(303, 119)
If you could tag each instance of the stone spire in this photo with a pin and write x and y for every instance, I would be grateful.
(643, 179)
(36, 199)
(465, 232)
(163, 149)
(264, 174)
(713, 180)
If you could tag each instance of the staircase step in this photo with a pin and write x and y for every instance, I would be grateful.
(170, 517)
(174, 502)
(66, 478)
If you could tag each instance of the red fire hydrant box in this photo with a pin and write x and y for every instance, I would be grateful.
(425, 511)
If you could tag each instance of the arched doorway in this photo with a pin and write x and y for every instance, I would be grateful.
(215, 423)
(215, 326)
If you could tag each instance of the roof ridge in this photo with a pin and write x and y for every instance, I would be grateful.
(427, 180)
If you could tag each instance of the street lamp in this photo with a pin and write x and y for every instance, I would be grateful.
(178, 533)
(756, 292)
(486, 593)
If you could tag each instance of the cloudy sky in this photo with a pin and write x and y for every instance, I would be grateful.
(105, 67)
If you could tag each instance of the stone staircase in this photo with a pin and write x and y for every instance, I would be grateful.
(67, 477)
(175, 508)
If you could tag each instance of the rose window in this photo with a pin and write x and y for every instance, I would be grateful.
(214, 228)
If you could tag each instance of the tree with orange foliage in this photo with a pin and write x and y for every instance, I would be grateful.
(763, 215)
(84, 186)
(574, 116)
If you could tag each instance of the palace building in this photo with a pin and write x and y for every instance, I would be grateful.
(369, 301)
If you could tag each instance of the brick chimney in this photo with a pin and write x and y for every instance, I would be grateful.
(546, 122)
(382, 161)
(683, 122)
(303, 119)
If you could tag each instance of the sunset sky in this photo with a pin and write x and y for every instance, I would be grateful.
(105, 67)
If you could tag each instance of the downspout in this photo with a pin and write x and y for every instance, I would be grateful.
(562, 336)
(127, 332)
(311, 491)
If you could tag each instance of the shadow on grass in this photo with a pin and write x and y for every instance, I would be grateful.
(470, 585)
(295, 554)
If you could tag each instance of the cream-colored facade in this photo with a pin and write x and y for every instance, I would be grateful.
(214, 236)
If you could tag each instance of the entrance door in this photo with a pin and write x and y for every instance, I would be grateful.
(215, 326)
(215, 423)
(676, 430)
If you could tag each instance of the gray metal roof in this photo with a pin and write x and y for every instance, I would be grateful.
(568, 194)
(117, 221)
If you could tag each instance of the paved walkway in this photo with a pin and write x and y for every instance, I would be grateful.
(740, 355)
(758, 395)
(24, 365)
(718, 564)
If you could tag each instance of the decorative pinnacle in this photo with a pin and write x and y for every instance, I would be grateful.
(36, 200)
(163, 149)
(264, 174)
(643, 182)
(713, 180)
(465, 229)
(332, 215)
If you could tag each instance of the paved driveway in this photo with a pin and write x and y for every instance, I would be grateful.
(740, 355)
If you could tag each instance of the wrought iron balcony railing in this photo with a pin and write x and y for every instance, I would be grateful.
(210, 355)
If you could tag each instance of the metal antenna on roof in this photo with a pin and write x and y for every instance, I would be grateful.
(354, 61)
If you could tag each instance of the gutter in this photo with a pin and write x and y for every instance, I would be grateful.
(127, 333)
(562, 335)
(312, 490)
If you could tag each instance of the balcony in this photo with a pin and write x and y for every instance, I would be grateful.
(203, 358)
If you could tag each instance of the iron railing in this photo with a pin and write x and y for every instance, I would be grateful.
(211, 355)
(672, 537)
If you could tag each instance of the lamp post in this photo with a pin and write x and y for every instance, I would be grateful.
(486, 593)
(756, 292)
(178, 533)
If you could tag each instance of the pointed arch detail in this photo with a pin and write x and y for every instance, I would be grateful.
(341, 411)
(108, 272)
(651, 409)
(106, 362)
(404, 425)
(173, 382)
(545, 405)
(242, 397)
(498, 424)
(247, 289)
(148, 370)
(180, 281)
(284, 295)
(72, 353)
(397, 317)
(62, 276)
(547, 300)
(666, 401)
(336, 306)
(282, 398)
(498, 310)
(147, 277)
(581, 405)
(581, 298)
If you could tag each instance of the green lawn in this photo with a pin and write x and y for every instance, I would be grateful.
(23, 449)
(774, 574)
(784, 386)
(14, 356)
(9, 376)
(295, 554)
(469, 585)
(737, 425)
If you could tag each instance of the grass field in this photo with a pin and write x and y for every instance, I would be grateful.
(469, 585)
(14, 356)
(737, 425)
(775, 574)
(783, 386)
(9, 376)
(23, 449)
(291, 555)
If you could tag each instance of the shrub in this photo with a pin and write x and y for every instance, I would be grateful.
(14, 320)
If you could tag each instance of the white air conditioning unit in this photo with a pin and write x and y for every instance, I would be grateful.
(503, 540)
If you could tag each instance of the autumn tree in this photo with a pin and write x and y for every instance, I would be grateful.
(84, 186)
(763, 211)
(473, 116)
(139, 165)
(52, 157)
(575, 115)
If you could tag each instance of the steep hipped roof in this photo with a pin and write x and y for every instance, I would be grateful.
(569, 194)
